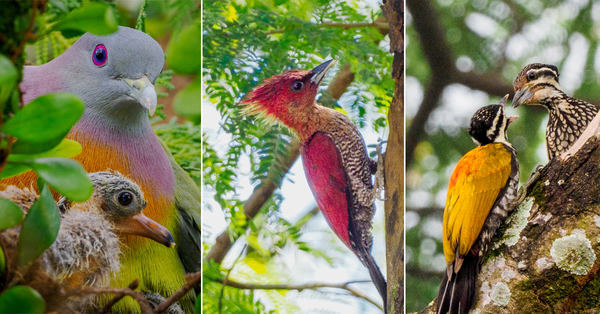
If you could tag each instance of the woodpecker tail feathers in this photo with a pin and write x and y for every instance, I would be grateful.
(457, 294)
(377, 277)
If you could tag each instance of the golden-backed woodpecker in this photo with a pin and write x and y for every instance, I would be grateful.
(334, 155)
(537, 84)
(482, 185)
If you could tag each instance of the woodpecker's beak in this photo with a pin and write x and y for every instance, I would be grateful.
(511, 120)
(320, 71)
(141, 225)
(143, 90)
(504, 101)
(521, 96)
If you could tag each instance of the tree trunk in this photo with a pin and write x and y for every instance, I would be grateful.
(394, 164)
(544, 260)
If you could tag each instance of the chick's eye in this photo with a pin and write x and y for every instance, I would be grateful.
(125, 198)
(530, 76)
(100, 55)
(297, 86)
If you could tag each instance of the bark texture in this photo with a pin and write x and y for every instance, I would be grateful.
(544, 260)
(394, 164)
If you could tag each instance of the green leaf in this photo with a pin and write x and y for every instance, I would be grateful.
(43, 123)
(39, 229)
(66, 176)
(11, 170)
(140, 25)
(184, 50)
(10, 214)
(188, 101)
(8, 77)
(2, 261)
(22, 299)
(67, 148)
(198, 304)
(94, 17)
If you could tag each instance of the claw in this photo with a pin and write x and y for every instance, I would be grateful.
(379, 185)
(525, 188)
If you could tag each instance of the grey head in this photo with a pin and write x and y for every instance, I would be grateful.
(114, 74)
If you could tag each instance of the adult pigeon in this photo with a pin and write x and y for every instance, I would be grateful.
(114, 76)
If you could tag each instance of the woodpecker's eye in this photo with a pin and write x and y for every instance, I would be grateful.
(100, 55)
(530, 76)
(125, 198)
(297, 86)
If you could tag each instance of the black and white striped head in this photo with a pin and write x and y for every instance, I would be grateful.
(489, 124)
(536, 83)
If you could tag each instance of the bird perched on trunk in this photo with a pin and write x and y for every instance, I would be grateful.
(87, 248)
(114, 76)
(334, 156)
(537, 84)
(482, 185)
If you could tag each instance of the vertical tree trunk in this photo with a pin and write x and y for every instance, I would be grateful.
(394, 163)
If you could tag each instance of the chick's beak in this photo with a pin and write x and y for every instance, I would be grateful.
(321, 70)
(512, 119)
(521, 96)
(143, 90)
(141, 225)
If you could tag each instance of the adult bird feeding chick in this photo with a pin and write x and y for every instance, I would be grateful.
(114, 76)
(537, 84)
(87, 249)
(334, 155)
(482, 185)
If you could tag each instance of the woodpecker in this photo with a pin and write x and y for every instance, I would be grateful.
(537, 84)
(482, 185)
(334, 156)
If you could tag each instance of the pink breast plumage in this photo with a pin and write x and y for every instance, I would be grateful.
(328, 182)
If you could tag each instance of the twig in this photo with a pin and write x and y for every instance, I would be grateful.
(136, 295)
(227, 277)
(133, 285)
(300, 287)
(377, 25)
(27, 35)
(191, 280)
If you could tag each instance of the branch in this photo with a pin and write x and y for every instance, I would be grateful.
(136, 295)
(191, 280)
(265, 190)
(300, 287)
(380, 26)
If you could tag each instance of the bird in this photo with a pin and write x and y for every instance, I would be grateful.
(334, 156)
(480, 191)
(537, 84)
(87, 248)
(114, 76)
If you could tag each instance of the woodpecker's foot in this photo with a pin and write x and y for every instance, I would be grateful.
(526, 188)
(379, 185)
(155, 299)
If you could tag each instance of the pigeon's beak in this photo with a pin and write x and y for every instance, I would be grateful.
(143, 90)
(143, 226)
(521, 96)
(320, 71)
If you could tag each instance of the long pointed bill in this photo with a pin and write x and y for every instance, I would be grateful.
(521, 96)
(504, 101)
(320, 71)
(143, 90)
(143, 226)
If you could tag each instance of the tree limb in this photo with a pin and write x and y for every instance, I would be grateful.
(300, 287)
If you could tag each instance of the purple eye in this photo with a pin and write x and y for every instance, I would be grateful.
(99, 55)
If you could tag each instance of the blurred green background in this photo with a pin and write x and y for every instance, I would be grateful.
(460, 56)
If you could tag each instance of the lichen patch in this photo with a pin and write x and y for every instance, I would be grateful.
(517, 222)
(573, 253)
(500, 294)
(544, 263)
